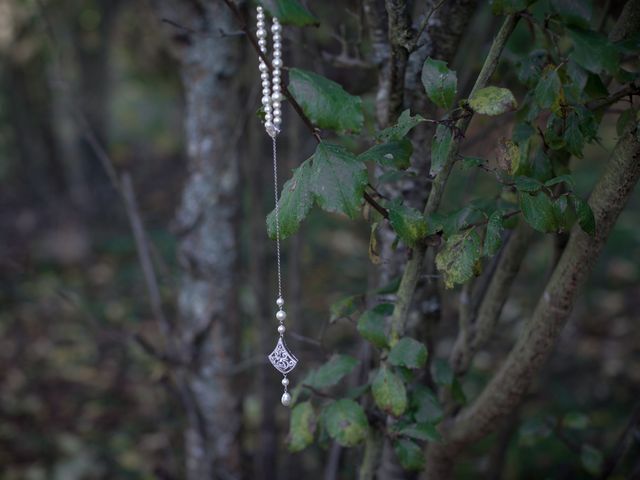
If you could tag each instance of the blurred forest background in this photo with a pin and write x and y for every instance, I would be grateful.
(93, 147)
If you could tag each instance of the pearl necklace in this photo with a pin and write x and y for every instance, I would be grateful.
(281, 357)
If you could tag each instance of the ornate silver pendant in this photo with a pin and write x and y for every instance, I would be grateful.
(282, 359)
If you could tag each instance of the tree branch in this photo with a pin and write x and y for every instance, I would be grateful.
(494, 299)
(507, 388)
(414, 265)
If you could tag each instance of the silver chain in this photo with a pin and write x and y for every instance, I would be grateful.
(277, 211)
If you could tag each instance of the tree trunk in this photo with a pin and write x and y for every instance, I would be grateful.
(207, 230)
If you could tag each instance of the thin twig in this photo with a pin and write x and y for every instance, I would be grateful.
(414, 44)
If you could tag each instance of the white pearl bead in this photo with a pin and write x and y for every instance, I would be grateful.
(277, 121)
(280, 301)
(263, 67)
(277, 38)
(276, 111)
(268, 124)
(277, 62)
(285, 382)
(264, 76)
(276, 26)
(262, 42)
(260, 23)
(277, 53)
(265, 85)
(261, 32)
(277, 96)
(266, 100)
(281, 315)
(286, 399)
(281, 329)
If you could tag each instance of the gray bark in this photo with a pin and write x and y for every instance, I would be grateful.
(206, 225)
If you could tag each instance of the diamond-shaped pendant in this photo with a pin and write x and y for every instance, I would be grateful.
(282, 359)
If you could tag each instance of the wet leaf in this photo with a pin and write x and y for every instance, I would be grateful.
(440, 148)
(408, 353)
(302, 427)
(439, 82)
(296, 200)
(372, 324)
(395, 153)
(389, 392)
(493, 235)
(325, 102)
(493, 101)
(538, 211)
(337, 179)
(457, 260)
(346, 422)
(407, 222)
(403, 126)
(331, 372)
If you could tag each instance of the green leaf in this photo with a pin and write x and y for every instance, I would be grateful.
(548, 88)
(372, 324)
(574, 13)
(344, 307)
(409, 454)
(538, 211)
(337, 179)
(441, 148)
(302, 427)
(592, 459)
(594, 52)
(439, 82)
(527, 184)
(325, 102)
(425, 405)
(493, 235)
(565, 216)
(389, 392)
(331, 372)
(586, 219)
(290, 12)
(422, 431)
(573, 138)
(346, 422)
(296, 200)
(395, 153)
(493, 101)
(408, 353)
(457, 260)
(568, 179)
(403, 126)
(407, 222)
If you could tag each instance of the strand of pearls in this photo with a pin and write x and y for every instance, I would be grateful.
(271, 86)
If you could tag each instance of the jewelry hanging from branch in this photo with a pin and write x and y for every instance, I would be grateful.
(281, 357)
